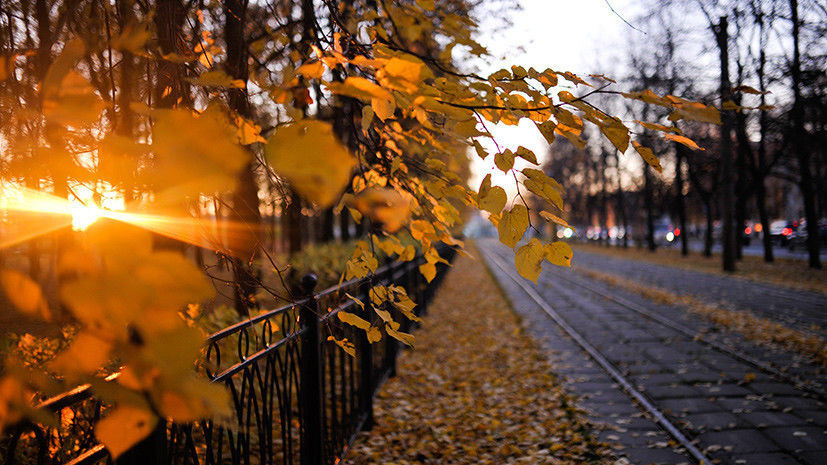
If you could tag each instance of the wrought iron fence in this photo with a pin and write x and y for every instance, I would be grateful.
(297, 398)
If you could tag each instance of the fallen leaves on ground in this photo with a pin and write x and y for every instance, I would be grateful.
(475, 391)
(755, 328)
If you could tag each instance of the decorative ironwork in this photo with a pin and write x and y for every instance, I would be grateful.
(297, 398)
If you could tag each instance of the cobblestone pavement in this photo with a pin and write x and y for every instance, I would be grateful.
(802, 310)
(732, 411)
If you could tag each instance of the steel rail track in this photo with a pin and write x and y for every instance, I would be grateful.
(598, 357)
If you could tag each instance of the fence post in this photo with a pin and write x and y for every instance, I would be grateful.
(392, 345)
(365, 352)
(312, 439)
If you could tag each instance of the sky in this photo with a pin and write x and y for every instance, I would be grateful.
(582, 36)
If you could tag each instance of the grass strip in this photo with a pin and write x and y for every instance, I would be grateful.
(475, 390)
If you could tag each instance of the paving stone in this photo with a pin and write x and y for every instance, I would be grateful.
(814, 457)
(773, 388)
(671, 391)
(689, 405)
(804, 438)
(722, 390)
(714, 421)
(739, 440)
(768, 419)
(646, 456)
(763, 459)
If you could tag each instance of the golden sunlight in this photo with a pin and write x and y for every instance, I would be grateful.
(84, 215)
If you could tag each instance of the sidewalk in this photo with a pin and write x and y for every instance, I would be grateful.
(798, 309)
(475, 390)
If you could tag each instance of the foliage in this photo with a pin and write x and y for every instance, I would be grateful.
(195, 132)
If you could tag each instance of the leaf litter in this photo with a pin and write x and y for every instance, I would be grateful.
(476, 390)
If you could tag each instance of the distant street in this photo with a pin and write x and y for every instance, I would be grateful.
(756, 249)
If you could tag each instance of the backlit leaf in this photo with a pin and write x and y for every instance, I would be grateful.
(513, 224)
(124, 427)
(529, 258)
(648, 156)
(559, 253)
(24, 293)
(682, 140)
(308, 154)
(353, 320)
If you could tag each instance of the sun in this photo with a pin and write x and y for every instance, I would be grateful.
(84, 215)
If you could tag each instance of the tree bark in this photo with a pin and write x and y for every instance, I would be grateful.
(681, 202)
(801, 150)
(728, 188)
(245, 198)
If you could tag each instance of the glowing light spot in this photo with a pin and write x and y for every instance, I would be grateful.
(670, 237)
(84, 215)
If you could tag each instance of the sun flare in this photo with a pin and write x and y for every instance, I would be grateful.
(84, 215)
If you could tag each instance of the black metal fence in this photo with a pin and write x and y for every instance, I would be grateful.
(297, 397)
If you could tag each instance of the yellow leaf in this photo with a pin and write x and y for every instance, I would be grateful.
(374, 335)
(658, 127)
(73, 102)
(695, 111)
(526, 155)
(405, 68)
(428, 270)
(616, 132)
(554, 219)
(308, 155)
(387, 207)
(682, 140)
(493, 200)
(313, 70)
(648, 156)
(421, 229)
(406, 338)
(194, 154)
(529, 259)
(543, 186)
(361, 88)
(219, 78)
(547, 130)
(248, 133)
(5, 67)
(24, 293)
(367, 117)
(382, 108)
(504, 160)
(559, 253)
(353, 320)
(345, 345)
(749, 90)
(124, 427)
(133, 38)
(480, 151)
(513, 224)
(86, 354)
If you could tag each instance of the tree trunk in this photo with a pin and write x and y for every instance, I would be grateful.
(681, 202)
(728, 188)
(801, 150)
(762, 170)
(710, 227)
(245, 198)
(650, 214)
